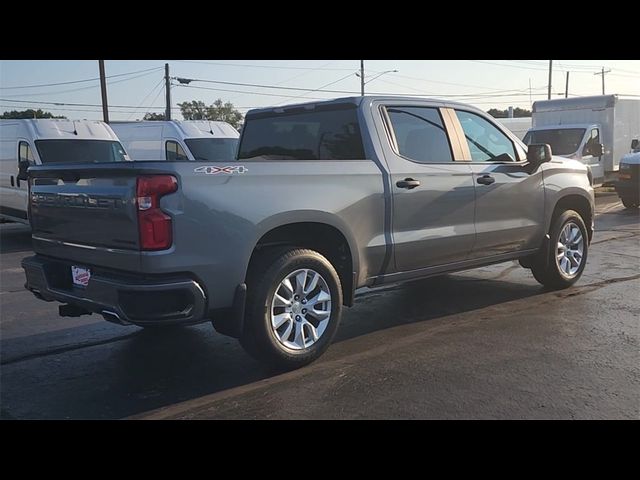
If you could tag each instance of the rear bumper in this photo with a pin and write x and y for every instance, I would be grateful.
(122, 298)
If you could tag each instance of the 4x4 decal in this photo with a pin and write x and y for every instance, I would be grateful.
(229, 170)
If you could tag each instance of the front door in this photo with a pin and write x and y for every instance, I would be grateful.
(509, 197)
(433, 195)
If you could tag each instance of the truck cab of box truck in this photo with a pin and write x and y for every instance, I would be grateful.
(574, 141)
(575, 127)
(176, 140)
(27, 142)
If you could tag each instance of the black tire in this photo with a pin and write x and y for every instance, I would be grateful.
(546, 270)
(258, 338)
(628, 202)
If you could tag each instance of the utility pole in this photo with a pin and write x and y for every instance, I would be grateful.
(103, 89)
(550, 70)
(530, 97)
(362, 78)
(167, 87)
(566, 87)
(603, 72)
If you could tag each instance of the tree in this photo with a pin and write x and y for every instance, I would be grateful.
(29, 113)
(153, 116)
(194, 110)
(222, 112)
(517, 113)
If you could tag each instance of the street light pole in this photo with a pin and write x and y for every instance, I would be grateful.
(362, 78)
(550, 68)
(167, 88)
(103, 91)
(603, 73)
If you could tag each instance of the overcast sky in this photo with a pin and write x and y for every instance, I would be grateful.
(137, 86)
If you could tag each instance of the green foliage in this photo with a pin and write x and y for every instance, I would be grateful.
(153, 116)
(517, 113)
(219, 111)
(29, 113)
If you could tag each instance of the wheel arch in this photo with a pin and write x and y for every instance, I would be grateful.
(323, 233)
(577, 202)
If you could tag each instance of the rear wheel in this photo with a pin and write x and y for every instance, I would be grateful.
(629, 202)
(294, 304)
(567, 255)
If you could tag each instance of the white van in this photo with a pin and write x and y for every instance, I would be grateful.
(45, 141)
(195, 140)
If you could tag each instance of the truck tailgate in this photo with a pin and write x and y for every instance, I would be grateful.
(87, 213)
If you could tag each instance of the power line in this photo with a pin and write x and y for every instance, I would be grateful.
(441, 82)
(282, 67)
(249, 92)
(323, 86)
(77, 89)
(574, 66)
(147, 96)
(546, 69)
(312, 90)
(79, 81)
(92, 104)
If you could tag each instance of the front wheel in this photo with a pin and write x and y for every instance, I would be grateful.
(567, 253)
(294, 304)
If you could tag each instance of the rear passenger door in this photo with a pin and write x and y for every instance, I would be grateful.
(509, 196)
(433, 195)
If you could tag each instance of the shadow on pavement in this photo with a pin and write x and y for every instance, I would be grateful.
(141, 370)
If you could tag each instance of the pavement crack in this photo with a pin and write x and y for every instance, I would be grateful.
(582, 289)
(64, 349)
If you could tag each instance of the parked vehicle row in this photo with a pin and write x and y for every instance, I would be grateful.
(24, 143)
(321, 198)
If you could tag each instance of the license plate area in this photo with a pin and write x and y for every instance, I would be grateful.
(80, 276)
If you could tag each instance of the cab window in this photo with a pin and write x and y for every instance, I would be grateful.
(594, 138)
(175, 153)
(420, 134)
(487, 143)
(25, 153)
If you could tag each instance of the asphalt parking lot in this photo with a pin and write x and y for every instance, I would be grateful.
(488, 343)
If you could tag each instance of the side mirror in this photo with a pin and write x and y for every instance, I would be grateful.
(538, 153)
(635, 143)
(596, 149)
(23, 166)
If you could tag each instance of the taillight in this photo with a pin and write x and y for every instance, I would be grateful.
(154, 225)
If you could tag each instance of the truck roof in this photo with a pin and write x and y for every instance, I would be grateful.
(357, 101)
(190, 128)
(50, 128)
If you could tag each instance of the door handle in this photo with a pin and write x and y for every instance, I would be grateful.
(408, 183)
(485, 180)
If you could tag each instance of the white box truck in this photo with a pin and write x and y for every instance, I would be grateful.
(576, 127)
(518, 125)
(45, 141)
(195, 140)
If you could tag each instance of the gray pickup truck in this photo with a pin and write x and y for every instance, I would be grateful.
(323, 198)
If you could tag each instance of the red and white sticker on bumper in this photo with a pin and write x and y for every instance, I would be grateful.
(80, 276)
